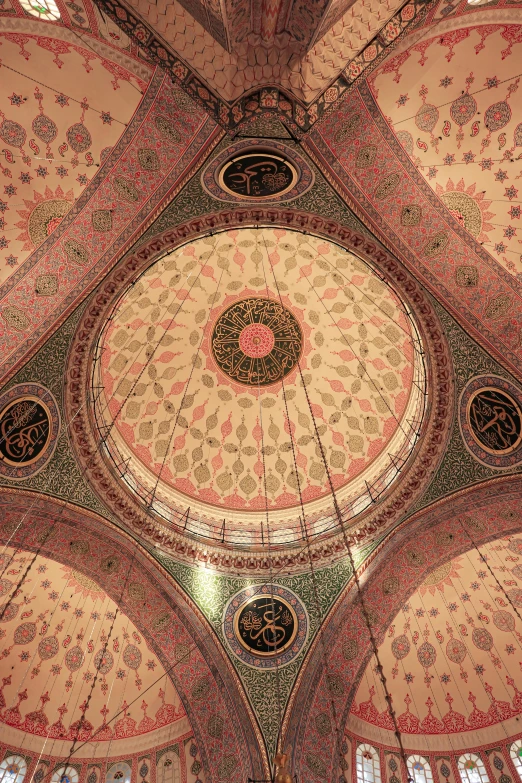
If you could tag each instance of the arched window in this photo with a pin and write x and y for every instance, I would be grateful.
(13, 769)
(118, 773)
(516, 754)
(65, 775)
(168, 769)
(420, 770)
(472, 769)
(42, 9)
(367, 764)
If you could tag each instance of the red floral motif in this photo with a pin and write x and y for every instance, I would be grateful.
(256, 340)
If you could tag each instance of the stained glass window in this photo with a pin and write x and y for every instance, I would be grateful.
(118, 773)
(516, 755)
(367, 764)
(420, 770)
(42, 9)
(65, 775)
(13, 769)
(472, 769)
(168, 769)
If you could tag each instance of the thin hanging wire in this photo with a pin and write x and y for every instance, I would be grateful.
(319, 614)
(351, 559)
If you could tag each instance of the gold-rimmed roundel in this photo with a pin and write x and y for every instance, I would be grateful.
(259, 175)
(256, 341)
(266, 625)
(495, 420)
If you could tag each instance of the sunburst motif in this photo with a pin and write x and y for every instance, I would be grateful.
(440, 577)
(468, 207)
(82, 584)
(42, 215)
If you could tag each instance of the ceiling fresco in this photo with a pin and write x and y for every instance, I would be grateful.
(173, 633)
(261, 411)
(61, 633)
(368, 163)
(452, 654)
(268, 49)
(462, 128)
(305, 311)
(414, 559)
(55, 136)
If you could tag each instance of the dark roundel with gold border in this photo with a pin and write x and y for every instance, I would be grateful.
(266, 624)
(29, 427)
(256, 341)
(491, 421)
(245, 171)
(258, 175)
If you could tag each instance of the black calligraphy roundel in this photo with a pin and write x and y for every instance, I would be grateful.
(256, 342)
(29, 427)
(24, 431)
(495, 420)
(266, 625)
(258, 175)
(490, 420)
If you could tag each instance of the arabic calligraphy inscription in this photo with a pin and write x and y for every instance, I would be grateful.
(24, 431)
(266, 625)
(256, 342)
(258, 175)
(495, 419)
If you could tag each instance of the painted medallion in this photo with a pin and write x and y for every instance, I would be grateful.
(29, 425)
(256, 342)
(258, 175)
(491, 421)
(244, 171)
(266, 625)
(495, 420)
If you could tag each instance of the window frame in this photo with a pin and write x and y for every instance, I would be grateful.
(427, 774)
(481, 771)
(364, 775)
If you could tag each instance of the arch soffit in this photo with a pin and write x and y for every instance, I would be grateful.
(172, 624)
(338, 659)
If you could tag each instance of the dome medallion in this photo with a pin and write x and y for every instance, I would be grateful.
(222, 364)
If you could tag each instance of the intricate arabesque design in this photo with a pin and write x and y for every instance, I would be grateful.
(257, 342)
(104, 219)
(470, 643)
(432, 442)
(494, 513)
(54, 143)
(58, 650)
(183, 645)
(355, 50)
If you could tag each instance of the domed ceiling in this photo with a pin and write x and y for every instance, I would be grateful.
(452, 656)
(452, 101)
(218, 365)
(63, 106)
(60, 634)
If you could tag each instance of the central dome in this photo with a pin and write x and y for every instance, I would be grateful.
(226, 360)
